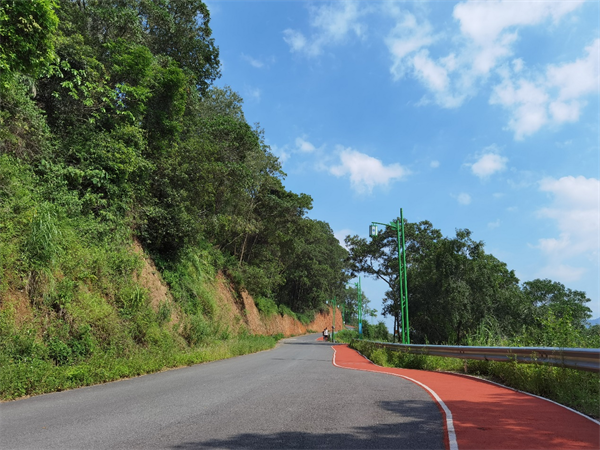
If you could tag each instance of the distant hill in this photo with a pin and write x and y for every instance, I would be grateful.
(594, 321)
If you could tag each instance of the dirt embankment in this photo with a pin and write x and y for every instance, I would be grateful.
(235, 311)
(244, 312)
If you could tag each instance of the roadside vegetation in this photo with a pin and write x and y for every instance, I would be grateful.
(111, 137)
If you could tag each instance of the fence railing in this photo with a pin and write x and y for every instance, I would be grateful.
(574, 358)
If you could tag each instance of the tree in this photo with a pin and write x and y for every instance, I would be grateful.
(178, 30)
(27, 36)
(350, 300)
(547, 297)
(315, 268)
(453, 285)
(378, 258)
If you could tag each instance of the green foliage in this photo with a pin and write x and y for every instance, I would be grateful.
(346, 335)
(187, 279)
(377, 332)
(455, 288)
(109, 131)
(285, 311)
(26, 31)
(306, 317)
(266, 306)
(39, 376)
(550, 300)
(43, 244)
(23, 129)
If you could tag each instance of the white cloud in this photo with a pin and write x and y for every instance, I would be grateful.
(488, 33)
(408, 36)
(578, 78)
(296, 41)
(576, 211)
(253, 62)
(281, 153)
(491, 26)
(252, 93)
(366, 172)
(562, 272)
(331, 24)
(554, 97)
(488, 164)
(463, 198)
(434, 164)
(433, 75)
(495, 224)
(484, 22)
(341, 235)
(304, 146)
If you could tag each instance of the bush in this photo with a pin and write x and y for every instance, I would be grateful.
(377, 332)
(266, 306)
(285, 311)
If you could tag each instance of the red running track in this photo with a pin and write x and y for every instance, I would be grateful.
(486, 416)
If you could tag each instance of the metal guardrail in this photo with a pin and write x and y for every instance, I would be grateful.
(587, 359)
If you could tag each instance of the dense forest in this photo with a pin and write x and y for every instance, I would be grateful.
(109, 105)
(112, 130)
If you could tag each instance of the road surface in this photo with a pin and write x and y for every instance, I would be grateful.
(288, 397)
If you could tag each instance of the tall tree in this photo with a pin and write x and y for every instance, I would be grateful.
(453, 285)
(378, 258)
(551, 297)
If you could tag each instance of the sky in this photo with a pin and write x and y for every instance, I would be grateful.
(478, 115)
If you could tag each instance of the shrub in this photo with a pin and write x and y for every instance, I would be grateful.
(285, 311)
(266, 306)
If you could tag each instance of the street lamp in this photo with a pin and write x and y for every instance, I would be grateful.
(398, 226)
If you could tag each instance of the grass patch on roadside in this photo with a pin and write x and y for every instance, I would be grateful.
(573, 388)
(23, 378)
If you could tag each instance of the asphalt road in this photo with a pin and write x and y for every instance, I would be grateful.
(288, 397)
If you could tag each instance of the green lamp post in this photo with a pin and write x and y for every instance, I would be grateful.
(398, 226)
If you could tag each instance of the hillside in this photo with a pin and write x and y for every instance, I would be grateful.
(85, 334)
(237, 312)
(144, 224)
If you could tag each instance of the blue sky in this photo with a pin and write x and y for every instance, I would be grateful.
(478, 115)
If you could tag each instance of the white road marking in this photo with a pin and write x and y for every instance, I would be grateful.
(449, 423)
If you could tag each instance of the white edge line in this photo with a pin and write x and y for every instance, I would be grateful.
(526, 393)
(449, 423)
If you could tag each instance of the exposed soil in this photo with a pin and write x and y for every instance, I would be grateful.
(233, 310)
(150, 279)
(243, 311)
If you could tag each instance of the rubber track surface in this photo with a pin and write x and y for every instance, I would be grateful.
(487, 416)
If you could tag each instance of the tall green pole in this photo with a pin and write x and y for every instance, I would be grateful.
(405, 318)
(400, 279)
(398, 225)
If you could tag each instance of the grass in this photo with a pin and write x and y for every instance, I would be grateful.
(573, 388)
(23, 378)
